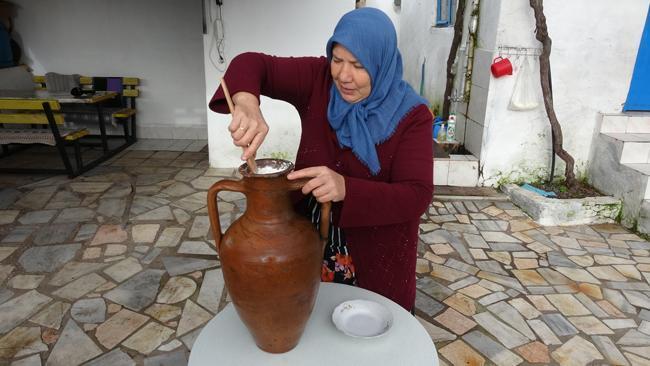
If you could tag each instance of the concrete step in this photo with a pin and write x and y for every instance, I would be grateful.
(636, 146)
(626, 181)
(456, 170)
(629, 122)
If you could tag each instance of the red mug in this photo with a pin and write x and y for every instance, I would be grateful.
(501, 66)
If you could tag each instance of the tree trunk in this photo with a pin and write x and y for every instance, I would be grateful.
(541, 33)
(455, 43)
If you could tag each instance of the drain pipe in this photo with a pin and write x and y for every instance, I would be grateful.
(469, 60)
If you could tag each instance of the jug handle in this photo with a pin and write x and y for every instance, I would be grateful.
(213, 208)
(325, 209)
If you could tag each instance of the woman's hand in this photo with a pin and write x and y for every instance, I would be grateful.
(248, 127)
(325, 184)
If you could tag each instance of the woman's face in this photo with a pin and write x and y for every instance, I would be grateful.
(350, 77)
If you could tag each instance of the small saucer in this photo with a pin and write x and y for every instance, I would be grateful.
(362, 318)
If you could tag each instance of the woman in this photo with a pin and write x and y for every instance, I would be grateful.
(365, 145)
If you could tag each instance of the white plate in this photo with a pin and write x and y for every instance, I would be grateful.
(362, 318)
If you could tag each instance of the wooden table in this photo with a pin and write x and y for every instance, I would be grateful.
(226, 341)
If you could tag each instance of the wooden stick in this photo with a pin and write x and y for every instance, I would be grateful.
(252, 166)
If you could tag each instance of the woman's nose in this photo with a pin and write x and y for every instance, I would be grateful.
(345, 74)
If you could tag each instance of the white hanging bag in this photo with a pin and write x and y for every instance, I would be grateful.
(525, 96)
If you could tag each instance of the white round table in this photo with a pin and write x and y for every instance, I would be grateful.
(226, 341)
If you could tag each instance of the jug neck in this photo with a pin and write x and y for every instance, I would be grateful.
(268, 199)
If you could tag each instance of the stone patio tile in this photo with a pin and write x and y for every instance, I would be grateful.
(212, 289)
(74, 270)
(534, 352)
(578, 275)
(461, 303)
(89, 310)
(492, 298)
(203, 248)
(577, 351)
(629, 271)
(118, 327)
(37, 217)
(637, 298)
(620, 323)
(138, 291)
(35, 199)
(19, 234)
(193, 316)
(610, 309)
(51, 316)
(80, 287)
(109, 234)
(455, 321)
(606, 273)
(634, 338)
(176, 290)
(544, 332)
(157, 214)
(491, 266)
(147, 339)
(618, 300)
(86, 231)
(18, 309)
(512, 317)
(582, 260)
(167, 359)
(499, 237)
(163, 313)
(25, 282)
(491, 349)
(567, 304)
(124, 269)
(505, 334)
(21, 341)
(5, 271)
(459, 353)
(502, 257)
(180, 265)
(437, 334)
(33, 360)
(529, 277)
(591, 305)
(6, 252)
(502, 280)
(590, 325)
(636, 360)
(144, 233)
(73, 347)
(170, 237)
(115, 357)
(559, 324)
(609, 350)
(524, 308)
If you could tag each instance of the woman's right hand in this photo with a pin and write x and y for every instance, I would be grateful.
(248, 127)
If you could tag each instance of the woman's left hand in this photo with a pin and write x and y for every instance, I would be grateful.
(325, 184)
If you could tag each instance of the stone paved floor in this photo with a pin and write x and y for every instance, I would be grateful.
(116, 268)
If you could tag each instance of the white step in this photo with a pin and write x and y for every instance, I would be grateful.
(629, 122)
(636, 146)
(456, 170)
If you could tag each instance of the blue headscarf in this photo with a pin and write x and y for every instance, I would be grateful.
(370, 36)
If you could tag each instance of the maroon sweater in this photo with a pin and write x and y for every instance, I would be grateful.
(380, 214)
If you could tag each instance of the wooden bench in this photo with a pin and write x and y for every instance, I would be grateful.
(124, 113)
(36, 113)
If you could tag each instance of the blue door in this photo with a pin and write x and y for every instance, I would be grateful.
(638, 98)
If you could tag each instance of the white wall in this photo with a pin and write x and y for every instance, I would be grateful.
(420, 40)
(283, 28)
(158, 41)
(594, 50)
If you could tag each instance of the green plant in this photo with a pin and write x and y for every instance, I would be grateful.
(280, 155)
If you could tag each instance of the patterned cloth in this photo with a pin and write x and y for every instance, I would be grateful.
(337, 262)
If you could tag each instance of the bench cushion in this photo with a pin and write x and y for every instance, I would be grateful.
(31, 136)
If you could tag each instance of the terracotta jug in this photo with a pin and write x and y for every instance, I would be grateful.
(271, 256)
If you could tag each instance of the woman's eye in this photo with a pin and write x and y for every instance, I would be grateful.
(336, 61)
(358, 66)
